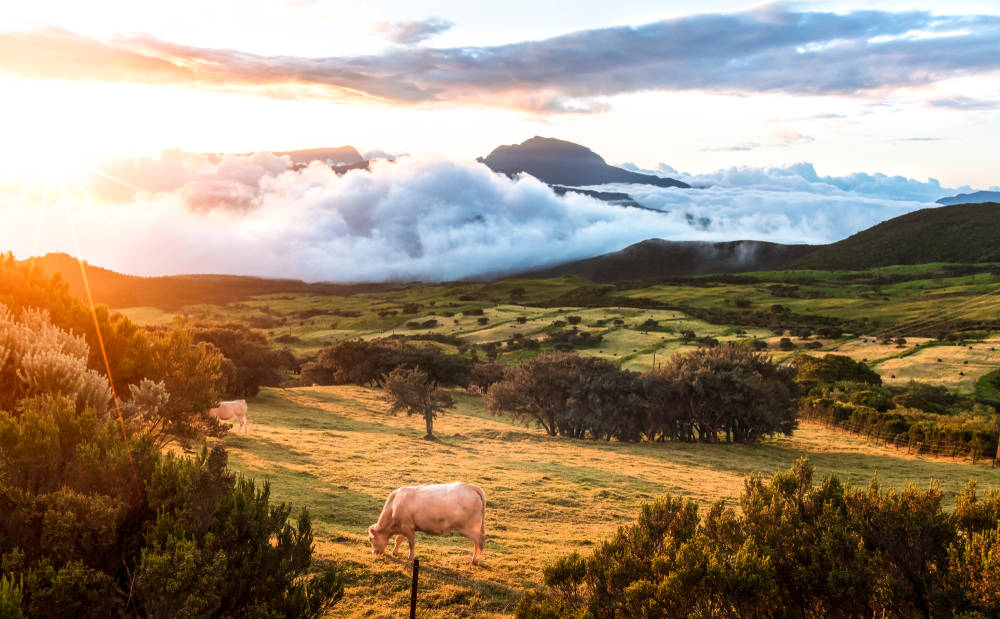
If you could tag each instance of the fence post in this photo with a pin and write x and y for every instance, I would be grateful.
(413, 589)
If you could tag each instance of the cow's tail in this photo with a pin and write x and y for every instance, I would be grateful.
(482, 497)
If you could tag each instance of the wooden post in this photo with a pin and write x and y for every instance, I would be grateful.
(413, 589)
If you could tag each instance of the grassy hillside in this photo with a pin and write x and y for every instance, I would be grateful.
(336, 450)
(960, 233)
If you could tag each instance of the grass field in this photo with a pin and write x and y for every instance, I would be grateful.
(336, 451)
(528, 308)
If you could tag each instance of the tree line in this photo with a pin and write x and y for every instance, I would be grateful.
(728, 393)
(920, 417)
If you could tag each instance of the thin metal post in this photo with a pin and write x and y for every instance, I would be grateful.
(413, 589)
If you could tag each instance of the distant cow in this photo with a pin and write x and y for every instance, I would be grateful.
(236, 409)
(435, 509)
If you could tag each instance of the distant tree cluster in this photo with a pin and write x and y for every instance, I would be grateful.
(793, 549)
(727, 393)
(363, 362)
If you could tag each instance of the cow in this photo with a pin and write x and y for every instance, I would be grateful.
(235, 409)
(435, 509)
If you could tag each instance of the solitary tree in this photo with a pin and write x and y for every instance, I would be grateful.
(412, 391)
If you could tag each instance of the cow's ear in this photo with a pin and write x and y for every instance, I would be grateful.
(371, 529)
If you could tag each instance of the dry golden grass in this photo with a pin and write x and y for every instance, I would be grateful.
(336, 451)
(959, 366)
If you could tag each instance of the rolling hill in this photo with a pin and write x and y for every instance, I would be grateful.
(174, 291)
(658, 258)
(558, 162)
(964, 233)
(961, 234)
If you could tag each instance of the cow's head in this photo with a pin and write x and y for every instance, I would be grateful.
(377, 540)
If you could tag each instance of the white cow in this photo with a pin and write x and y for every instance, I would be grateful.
(436, 509)
(235, 409)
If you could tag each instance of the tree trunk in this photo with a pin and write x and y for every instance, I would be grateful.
(429, 421)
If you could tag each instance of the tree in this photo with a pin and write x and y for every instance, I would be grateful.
(569, 395)
(97, 522)
(727, 392)
(411, 391)
(253, 362)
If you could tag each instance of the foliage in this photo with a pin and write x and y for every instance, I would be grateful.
(727, 392)
(413, 392)
(252, 363)
(566, 395)
(362, 362)
(485, 375)
(94, 525)
(191, 373)
(834, 369)
(918, 416)
(794, 549)
(724, 393)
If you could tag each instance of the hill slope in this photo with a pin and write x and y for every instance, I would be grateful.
(964, 233)
(657, 258)
(171, 292)
(558, 162)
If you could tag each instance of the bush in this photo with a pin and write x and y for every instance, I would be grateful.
(95, 525)
(793, 549)
(253, 362)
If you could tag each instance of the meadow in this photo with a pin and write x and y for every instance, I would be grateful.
(338, 452)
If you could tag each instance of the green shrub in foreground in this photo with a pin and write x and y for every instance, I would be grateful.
(796, 550)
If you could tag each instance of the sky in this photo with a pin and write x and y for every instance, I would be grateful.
(727, 92)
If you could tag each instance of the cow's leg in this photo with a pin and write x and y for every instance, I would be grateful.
(412, 538)
(475, 533)
(395, 548)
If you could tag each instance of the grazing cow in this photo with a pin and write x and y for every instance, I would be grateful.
(436, 509)
(236, 409)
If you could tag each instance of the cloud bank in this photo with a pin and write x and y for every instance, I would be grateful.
(423, 218)
(770, 48)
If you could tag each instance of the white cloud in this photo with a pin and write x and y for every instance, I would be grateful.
(428, 218)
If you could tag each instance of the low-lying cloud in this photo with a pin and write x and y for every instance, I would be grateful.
(424, 218)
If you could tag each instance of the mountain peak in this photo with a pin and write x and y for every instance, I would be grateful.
(559, 162)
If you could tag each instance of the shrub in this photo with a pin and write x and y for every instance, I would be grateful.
(253, 362)
(95, 525)
(794, 549)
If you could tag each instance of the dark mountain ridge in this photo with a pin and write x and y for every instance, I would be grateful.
(558, 162)
(975, 197)
(659, 258)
